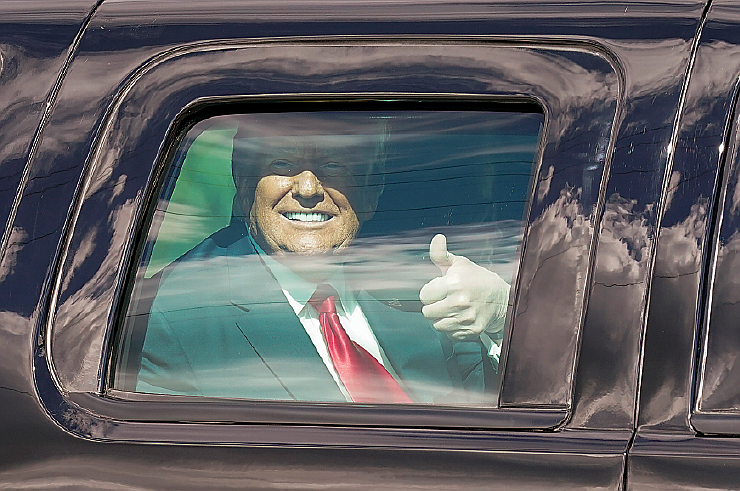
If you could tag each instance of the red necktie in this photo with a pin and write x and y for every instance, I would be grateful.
(365, 379)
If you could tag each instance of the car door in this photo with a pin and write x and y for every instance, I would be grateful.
(606, 81)
(688, 412)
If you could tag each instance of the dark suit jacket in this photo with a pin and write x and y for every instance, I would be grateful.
(220, 326)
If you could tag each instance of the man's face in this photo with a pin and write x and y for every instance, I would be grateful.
(309, 198)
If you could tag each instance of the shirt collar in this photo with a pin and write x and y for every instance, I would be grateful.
(297, 288)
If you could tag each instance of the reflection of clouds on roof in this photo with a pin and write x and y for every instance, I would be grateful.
(24, 90)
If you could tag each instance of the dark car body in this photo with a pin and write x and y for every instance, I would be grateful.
(618, 371)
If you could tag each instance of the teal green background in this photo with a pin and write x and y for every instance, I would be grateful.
(201, 201)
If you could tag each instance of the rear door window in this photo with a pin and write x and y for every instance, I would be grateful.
(333, 256)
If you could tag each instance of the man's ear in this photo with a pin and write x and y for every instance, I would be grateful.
(374, 183)
(243, 197)
(370, 198)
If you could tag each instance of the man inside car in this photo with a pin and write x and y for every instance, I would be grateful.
(265, 309)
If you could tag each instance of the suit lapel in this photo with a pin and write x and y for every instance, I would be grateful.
(413, 348)
(273, 330)
(422, 358)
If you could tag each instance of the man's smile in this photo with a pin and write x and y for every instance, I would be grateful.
(301, 216)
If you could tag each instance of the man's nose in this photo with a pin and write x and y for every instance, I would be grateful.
(307, 185)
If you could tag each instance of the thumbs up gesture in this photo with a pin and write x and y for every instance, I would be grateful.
(467, 299)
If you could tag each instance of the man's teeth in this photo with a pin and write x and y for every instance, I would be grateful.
(307, 217)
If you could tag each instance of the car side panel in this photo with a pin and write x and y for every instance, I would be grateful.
(35, 44)
(669, 450)
(651, 42)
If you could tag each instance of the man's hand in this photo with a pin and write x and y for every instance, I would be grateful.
(467, 299)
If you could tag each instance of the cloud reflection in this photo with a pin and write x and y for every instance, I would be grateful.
(15, 243)
(618, 301)
(393, 262)
(622, 260)
(77, 338)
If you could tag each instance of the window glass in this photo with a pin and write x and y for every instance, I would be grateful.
(333, 256)
(720, 380)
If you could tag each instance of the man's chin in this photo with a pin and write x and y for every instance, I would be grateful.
(312, 251)
(313, 264)
(309, 246)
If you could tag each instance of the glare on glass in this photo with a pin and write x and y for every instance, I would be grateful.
(361, 257)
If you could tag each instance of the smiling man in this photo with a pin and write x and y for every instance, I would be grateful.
(308, 183)
(264, 308)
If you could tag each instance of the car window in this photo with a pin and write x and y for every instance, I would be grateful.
(720, 377)
(332, 256)
(450, 146)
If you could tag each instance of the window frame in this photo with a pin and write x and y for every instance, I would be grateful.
(206, 108)
(123, 413)
(724, 422)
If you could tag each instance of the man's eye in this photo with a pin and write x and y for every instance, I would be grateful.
(282, 167)
(332, 169)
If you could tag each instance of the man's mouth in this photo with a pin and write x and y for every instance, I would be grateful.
(300, 216)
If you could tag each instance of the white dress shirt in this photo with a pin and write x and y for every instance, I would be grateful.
(298, 292)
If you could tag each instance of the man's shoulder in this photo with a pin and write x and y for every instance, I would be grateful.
(203, 278)
(206, 261)
(232, 240)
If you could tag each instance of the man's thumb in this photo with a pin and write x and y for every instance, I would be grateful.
(438, 253)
